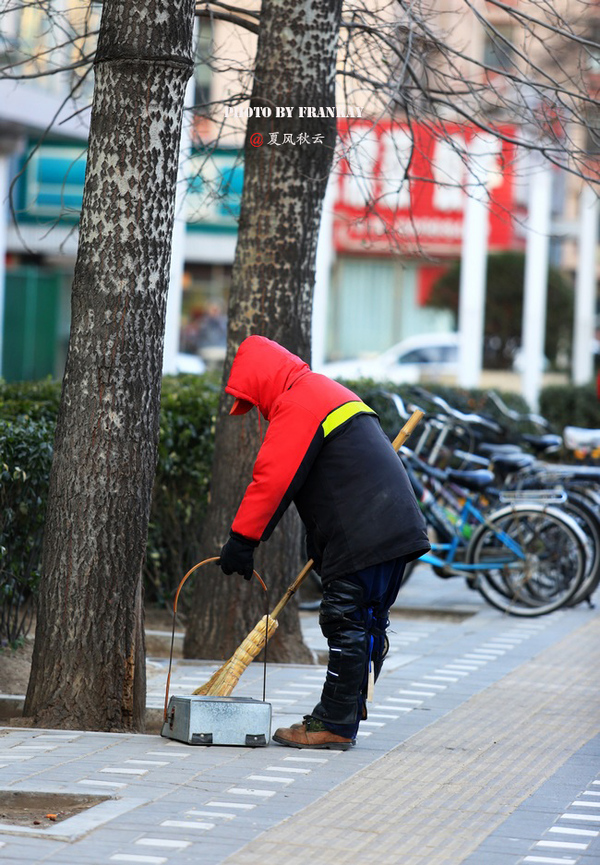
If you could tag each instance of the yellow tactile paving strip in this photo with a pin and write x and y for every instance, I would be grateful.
(437, 797)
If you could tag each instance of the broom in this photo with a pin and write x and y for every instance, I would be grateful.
(224, 680)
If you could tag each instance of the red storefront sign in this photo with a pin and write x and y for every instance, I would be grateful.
(403, 188)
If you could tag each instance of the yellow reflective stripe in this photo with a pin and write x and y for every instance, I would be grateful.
(340, 415)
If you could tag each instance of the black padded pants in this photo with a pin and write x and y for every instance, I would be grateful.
(354, 619)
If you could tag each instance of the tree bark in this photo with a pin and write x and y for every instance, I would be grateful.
(88, 668)
(271, 295)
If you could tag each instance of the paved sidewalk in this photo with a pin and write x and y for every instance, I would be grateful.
(482, 747)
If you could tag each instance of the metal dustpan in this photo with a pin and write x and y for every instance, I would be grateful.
(198, 720)
(216, 720)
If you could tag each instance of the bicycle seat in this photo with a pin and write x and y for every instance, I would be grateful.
(540, 444)
(506, 464)
(476, 480)
(492, 450)
(577, 473)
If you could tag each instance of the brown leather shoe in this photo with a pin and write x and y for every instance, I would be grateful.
(311, 733)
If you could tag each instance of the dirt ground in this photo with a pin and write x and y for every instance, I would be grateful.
(15, 664)
(42, 809)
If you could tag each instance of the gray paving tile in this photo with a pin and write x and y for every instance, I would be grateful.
(207, 774)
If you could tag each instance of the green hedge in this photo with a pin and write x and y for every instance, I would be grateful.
(189, 403)
(26, 455)
(188, 410)
(571, 406)
(28, 412)
(472, 400)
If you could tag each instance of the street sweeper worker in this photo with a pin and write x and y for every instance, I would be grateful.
(324, 450)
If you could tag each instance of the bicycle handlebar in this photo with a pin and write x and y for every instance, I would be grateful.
(515, 415)
(460, 416)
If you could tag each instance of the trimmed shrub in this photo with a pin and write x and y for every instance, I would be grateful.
(26, 449)
(571, 405)
(28, 412)
(32, 400)
(188, 410)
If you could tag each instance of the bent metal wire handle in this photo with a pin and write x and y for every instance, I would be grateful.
(175, 601)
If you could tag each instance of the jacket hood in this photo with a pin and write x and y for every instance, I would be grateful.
(261, 372)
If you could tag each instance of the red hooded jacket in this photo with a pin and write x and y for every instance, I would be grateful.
(325, 450)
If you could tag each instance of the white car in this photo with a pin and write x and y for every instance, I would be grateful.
(425, 356)
(189, 363)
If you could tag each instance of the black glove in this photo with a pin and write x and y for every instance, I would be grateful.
(237, 556)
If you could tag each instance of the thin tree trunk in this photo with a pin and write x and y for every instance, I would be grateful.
(271, 295)
(88, 667)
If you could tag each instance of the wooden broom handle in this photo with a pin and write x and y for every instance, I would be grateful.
(407, 429)
(404, 433)
(292, 589)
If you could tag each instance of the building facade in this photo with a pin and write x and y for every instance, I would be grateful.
(393, 217)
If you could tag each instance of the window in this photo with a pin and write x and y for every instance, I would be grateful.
(203, 70)
(9, 36)
(593, 130)
(592, 61)
(409, 64)
(498, 52)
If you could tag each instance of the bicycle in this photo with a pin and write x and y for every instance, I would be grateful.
(572, 488)
(526, 558)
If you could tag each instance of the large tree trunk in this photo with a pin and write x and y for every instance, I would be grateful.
(88, 667)
(271, 295)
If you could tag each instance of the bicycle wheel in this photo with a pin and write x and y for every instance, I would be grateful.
(533, 556)
(587, 519)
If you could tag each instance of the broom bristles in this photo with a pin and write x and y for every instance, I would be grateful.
(224, 680)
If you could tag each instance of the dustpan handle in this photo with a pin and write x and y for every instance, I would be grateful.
(292, 588)
(179, 588)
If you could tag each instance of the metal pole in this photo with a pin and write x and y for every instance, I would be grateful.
(585, 287)
(4, 185)
(324, 263)
(173, 319)
(536, 280)
(473, 273)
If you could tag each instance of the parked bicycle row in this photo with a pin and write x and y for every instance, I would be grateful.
(522, 528)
